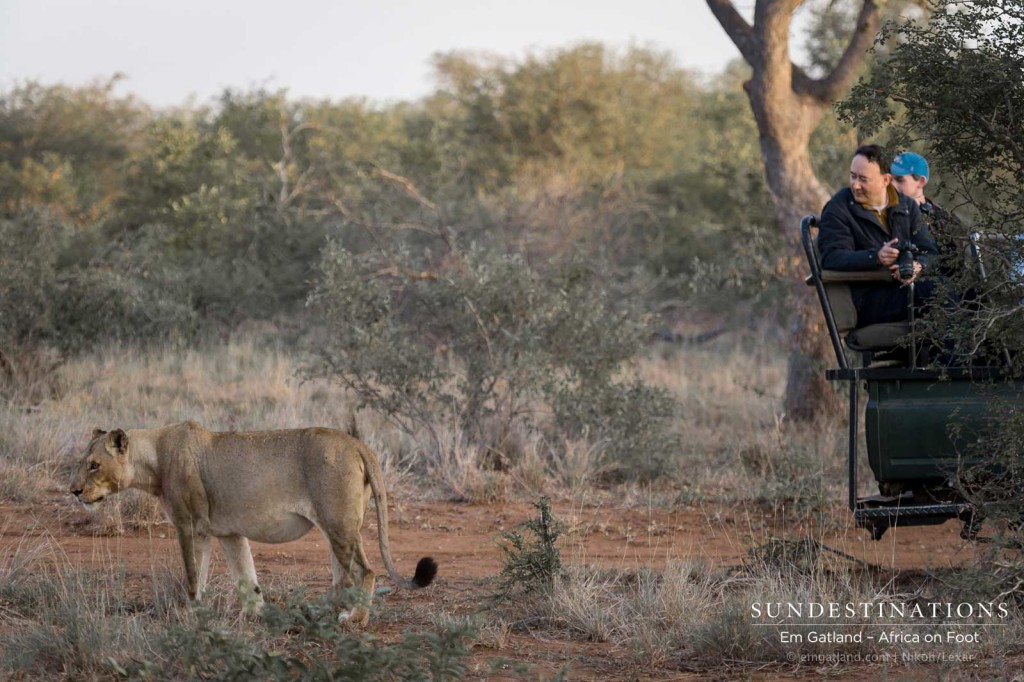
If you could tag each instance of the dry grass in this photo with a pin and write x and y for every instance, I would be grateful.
(460, 467)
(237, 386)
(736, 445)
(698, 618)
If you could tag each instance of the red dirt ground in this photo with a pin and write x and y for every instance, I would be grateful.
(462, 538)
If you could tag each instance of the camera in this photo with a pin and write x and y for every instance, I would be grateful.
(905, 260)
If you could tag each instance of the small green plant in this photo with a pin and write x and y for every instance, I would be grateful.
(307, 642)
(531, 566)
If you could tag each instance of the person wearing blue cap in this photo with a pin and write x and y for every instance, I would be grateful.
(866, 226)
(910, 175)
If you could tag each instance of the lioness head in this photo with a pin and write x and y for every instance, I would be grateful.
(104, 469)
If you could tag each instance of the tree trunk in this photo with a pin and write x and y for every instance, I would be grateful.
(786, 130)
(788, 105)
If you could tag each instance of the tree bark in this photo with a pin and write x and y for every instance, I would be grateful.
(788, 105)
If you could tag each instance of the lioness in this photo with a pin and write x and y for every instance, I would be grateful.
(267, 486)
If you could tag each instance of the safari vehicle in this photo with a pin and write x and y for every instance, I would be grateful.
(912, 450)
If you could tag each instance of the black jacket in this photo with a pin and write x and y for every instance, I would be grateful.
(850, 235)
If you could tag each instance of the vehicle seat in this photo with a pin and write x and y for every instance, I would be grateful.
(836, 300)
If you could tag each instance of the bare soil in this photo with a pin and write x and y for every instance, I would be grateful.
(463, 540)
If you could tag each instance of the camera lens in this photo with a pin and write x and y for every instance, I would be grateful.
(906, 263)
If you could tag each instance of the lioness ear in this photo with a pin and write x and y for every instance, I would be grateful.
(97, 432)
(119, 439)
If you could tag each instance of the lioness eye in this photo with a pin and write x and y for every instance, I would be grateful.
(94, 466)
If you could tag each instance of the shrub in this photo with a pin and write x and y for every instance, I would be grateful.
(486, 342)
(629, 419)
(531, 566)
(27, 281)
(103, 303)
(52, 295)
(27, 276)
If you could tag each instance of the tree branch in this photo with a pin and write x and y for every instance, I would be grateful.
(772, 21)
(831, 87)
(737, 28)
(286, 194)
(408, 186)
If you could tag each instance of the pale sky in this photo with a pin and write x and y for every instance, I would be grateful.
(378, 49)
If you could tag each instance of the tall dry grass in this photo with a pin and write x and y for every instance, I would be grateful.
(235, 386)
(736, 445)
(702, 618)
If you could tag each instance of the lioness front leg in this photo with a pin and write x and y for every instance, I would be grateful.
(239, 558)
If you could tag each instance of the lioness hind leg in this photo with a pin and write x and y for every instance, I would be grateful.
(243, 572)
(195, 553)
(340, 579)
(350, 567)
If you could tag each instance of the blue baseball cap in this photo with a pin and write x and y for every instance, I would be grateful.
(909, 163)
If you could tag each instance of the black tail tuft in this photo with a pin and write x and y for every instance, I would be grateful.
(426, 571)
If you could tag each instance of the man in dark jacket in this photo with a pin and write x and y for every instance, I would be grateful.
(864, 226)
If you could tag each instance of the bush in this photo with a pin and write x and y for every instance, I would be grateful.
(629, 419)
(484, 341)
(101, 304)
(50, 299)
(531, 566)
(27, 276)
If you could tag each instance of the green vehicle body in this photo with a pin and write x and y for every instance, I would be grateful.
(922, 428)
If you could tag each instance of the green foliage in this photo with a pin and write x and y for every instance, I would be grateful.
(584, 107)
(312, 645)
(630, 420)
(105, 303)
(216, 214)
(43, 301)
(28, 276)
(484, 340)
(531, 565)
(61, 148)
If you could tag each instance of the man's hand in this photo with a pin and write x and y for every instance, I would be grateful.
(894, 270)
(887, 255)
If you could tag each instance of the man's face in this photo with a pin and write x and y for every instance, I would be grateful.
(911, 187)
(868, 182)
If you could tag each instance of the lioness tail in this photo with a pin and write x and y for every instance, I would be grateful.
(426, 570)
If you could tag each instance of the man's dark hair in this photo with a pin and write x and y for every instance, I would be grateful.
(875, 154)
